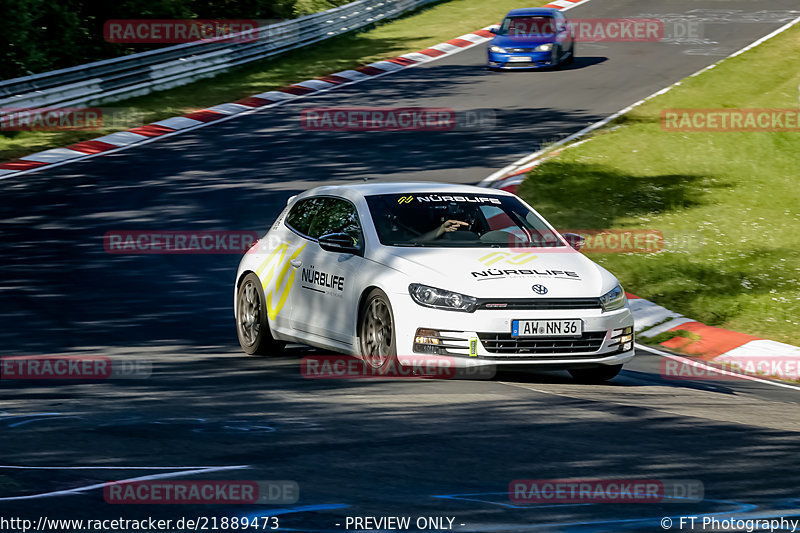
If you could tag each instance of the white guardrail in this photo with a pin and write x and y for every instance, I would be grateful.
(142, 73)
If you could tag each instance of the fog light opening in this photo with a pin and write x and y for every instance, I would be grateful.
(427, 341)
(427, 336)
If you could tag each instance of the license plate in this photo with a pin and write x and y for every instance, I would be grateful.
(547, 328)
(519, 59)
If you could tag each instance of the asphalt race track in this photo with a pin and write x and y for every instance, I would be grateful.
(355, 448)
(420, 448)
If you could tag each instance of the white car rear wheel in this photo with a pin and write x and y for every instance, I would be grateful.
(252, 326)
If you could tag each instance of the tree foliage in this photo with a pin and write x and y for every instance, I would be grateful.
(41, 35)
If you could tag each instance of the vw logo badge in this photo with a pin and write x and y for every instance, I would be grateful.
(539, 289)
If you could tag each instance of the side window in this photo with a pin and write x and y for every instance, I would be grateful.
(336, 216)
(302, 215)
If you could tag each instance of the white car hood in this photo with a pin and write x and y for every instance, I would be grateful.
(500, 273)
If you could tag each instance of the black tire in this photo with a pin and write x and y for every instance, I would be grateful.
(252, 326)
(571, 59)
(376, 333)
(595, 375)
(555, 58)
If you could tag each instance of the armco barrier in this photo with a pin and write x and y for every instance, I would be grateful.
(139, 74)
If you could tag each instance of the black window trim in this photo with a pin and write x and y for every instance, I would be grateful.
(312, 239)
(286, 218)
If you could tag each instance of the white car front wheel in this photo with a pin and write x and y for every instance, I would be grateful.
(377, 333)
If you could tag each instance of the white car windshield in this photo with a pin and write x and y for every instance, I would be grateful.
(458, 220)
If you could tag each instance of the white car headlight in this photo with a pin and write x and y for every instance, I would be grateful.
(441, 299)
(546, 47)
(497, 49)
(613, 299)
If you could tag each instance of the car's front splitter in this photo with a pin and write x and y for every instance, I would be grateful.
(542, 363)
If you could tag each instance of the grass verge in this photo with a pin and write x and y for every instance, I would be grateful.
(728, 203)
(411, 33)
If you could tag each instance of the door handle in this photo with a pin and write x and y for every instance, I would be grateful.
(296, 263)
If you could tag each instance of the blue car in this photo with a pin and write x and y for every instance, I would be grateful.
(532, 38)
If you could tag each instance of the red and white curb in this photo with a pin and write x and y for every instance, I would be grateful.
(564, 4)
(707, 343)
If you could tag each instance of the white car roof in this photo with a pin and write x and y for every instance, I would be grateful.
(359, 190)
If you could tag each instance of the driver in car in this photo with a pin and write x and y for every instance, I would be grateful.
(448, 226)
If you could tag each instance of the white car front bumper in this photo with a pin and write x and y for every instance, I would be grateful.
(484, 336)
